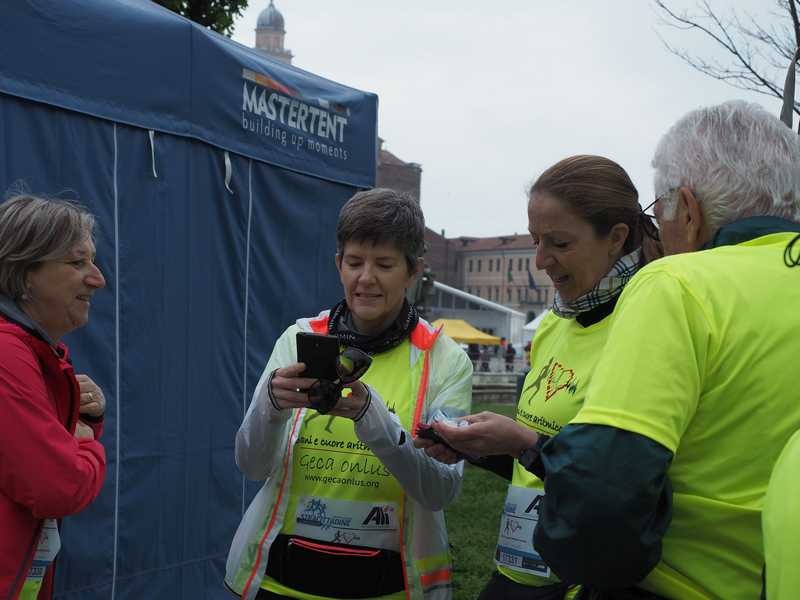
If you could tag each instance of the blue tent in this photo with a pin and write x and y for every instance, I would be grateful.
(216, 175)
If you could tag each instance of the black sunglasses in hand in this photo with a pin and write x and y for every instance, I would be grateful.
(351, 365)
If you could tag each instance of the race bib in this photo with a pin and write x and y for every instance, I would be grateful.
(46, 551)
(515, 540)
(350, 522)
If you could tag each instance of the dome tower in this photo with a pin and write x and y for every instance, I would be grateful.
(270, 33)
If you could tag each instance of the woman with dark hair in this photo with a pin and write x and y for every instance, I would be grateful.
(591, 236)
(51, 465)
(350, 508)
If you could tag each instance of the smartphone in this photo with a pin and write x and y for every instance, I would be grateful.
(319, 353)
(426, 431)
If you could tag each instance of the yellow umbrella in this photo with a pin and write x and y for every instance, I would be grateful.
(463, 332)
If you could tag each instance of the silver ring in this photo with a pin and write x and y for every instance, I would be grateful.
(91, 396)
(297, 390)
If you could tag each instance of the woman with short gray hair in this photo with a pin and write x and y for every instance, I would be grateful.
(349, 508)
(51, 464)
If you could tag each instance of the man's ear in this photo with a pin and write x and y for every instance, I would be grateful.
(692, 217)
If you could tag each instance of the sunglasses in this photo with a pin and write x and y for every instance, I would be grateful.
(649, 222)
(351, 365)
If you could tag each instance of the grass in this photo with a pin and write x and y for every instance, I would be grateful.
(472, 522)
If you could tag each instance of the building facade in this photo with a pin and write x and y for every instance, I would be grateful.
(502, 269)
(397, 174)
(499, 269)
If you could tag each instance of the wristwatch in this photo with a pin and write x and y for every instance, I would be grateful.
(530, 455)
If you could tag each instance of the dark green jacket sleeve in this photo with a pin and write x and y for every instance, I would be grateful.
(607, 505)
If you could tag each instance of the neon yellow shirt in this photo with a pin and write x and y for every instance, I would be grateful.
(781, 522)
(563, 358)
(701, 358)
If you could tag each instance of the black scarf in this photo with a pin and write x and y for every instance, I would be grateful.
(340, 324)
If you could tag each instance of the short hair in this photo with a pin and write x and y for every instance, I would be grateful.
(382, 215)
(739, 161)
(33, 230)
(599, 191)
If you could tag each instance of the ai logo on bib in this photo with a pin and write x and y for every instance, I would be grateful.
(379, 515)
(534, 505)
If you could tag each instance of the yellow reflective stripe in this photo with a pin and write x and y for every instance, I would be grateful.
(271, 585)
(30, 590)
(664, 579)
(276, 507)
(433, 563)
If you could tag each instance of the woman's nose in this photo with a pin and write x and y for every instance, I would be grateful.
(542, 260)
(367, 273)
(95, 277)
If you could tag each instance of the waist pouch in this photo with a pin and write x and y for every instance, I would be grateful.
(334, 570)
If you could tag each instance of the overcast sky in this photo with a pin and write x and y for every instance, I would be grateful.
(486, 95)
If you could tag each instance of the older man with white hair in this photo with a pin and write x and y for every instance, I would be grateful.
(655, 489)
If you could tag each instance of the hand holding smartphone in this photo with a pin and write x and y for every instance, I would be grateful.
(427, 432)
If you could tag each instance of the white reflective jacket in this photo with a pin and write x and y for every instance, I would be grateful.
(266, 438)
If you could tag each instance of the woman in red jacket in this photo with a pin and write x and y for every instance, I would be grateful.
(51, 465)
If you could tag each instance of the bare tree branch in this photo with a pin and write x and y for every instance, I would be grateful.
(795, 22)
(759, 55)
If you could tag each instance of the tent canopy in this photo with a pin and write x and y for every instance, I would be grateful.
(216, 176)
(463, 332)
(534, 325)
(134, 62)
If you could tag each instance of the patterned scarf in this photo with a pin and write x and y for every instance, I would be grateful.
(607, 288)
(340, 324)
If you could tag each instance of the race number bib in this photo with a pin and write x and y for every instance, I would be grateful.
(352, 522)
(515, 540)
(46, 551)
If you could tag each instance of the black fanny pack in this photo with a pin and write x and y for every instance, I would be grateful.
(334, 570)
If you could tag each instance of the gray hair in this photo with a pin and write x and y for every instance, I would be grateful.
(33, 230)
(739, 161)
(383, 215)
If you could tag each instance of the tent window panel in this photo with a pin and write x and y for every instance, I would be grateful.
(459, 302)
